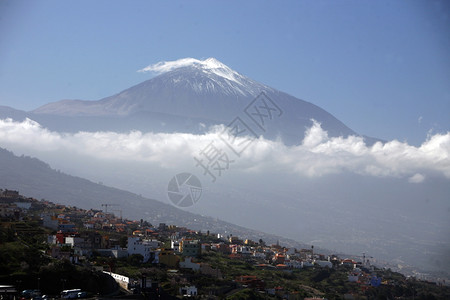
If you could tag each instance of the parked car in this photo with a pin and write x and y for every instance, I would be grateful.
(82, 295)
(70, 294)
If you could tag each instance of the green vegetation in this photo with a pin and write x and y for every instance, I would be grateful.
(23, 263)
(248, 294)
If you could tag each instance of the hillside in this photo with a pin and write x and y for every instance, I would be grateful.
(222, 268)
(33, 177)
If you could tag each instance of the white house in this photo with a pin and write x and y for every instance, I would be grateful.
(307, 264)
(175, 245)
(295, 264)
(258, 254)
(246, 250)
(324, 263)
(143, 247)
(188, 290)
(74, 241)
(89, 225)
(51, 239)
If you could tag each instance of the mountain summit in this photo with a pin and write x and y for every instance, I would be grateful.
(189, 92)
(186, 87)
(211, 67)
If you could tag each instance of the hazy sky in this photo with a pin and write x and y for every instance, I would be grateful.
(381, 67)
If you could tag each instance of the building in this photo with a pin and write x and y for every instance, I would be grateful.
(235, 240)
(50, 221)
(324, 263)
(279, 258)
(307, 264)
(290, 252)
(23, 205)
(51, 239)
(113, 252)
(75, 241)
(221, 248)
(294, 264)
(89, 225)
(349, 263)
(249, 242)
(189, 264)
(259, 255)
(188, 291)
(190, 248)
(175, 245)
(168, 258)
(143, 247)
(10, 194)
(66, 227)
(7, 210)
(95, 239)
(245, 250)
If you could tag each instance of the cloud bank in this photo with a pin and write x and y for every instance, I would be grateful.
(316, 156)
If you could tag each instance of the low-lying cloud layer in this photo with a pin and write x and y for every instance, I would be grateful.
(316, 156)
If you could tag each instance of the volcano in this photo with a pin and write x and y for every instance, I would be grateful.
(188, 96)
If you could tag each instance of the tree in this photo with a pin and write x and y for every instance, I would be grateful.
(135, 259)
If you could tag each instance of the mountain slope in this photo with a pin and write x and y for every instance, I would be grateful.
(35, 178)
(201, 90)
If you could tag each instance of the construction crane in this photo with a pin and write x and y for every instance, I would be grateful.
(108, 204)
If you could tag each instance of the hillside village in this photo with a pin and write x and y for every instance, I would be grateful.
(137, 260)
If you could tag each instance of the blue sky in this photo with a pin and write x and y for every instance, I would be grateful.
(381, 67)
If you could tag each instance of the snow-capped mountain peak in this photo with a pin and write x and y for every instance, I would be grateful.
(206, 90)
(208, 66)
(212, 65)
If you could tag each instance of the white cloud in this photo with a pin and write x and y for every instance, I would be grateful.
(210, 64)
(316, 156)
(166, 66)
(416, 178)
